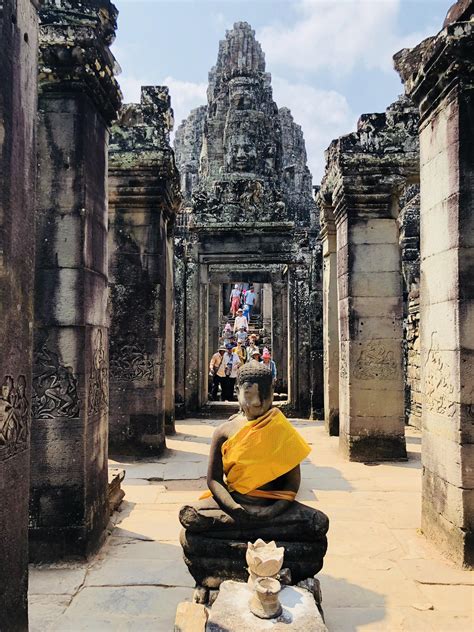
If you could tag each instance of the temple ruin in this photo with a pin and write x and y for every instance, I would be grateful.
(117, 258)
(248, 215)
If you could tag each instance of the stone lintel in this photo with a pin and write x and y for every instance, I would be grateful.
(74, 53)
(243, 227)
(431, 69)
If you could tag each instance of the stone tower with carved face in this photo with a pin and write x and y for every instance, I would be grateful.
(248, 215)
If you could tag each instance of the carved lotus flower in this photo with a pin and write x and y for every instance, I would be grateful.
(264, 560)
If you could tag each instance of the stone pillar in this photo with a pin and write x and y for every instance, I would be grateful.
(438, 76)
(180, 321)
(193, 324)
(169, 359)
(214, 318)
(330, 323)
(299, 352)
(279, 338)
(144, 197)
(78, 99)
(18, 97)
(366, 172)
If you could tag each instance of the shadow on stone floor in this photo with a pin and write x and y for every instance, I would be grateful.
(339, 595)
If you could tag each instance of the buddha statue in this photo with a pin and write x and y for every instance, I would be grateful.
(253, 478)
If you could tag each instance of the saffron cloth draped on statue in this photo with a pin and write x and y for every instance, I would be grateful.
(260, 452)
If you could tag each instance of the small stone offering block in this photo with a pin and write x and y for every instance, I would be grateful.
(230, 612)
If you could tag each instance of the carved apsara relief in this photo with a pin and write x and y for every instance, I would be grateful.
(130, 362)
(439, 390)
(54, 388)
(375, 362)
(99, 377)
(14, 416)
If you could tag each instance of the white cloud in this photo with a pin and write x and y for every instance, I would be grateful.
(338, 36)
(322, 114)
(185, 95)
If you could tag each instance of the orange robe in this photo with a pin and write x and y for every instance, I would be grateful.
(260, 452)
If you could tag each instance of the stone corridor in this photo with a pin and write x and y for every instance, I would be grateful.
(379, 574)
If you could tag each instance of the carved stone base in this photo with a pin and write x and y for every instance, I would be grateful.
(215, 546)
(373, 448)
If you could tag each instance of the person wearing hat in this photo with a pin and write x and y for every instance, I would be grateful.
(214, 365)
(267, 360)
(240, 321)
(252, 347)
(235, 299)
(255, 355)
(241, 351)
(227, 372)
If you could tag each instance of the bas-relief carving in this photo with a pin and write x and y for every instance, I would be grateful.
(99, 377)
(131, 363)
(252, 196)
(439, 390)
(14, 416)
(375, 362)
(54, 388)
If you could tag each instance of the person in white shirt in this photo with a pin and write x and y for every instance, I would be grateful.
(240, 321)
(214, 365)
(228, 373)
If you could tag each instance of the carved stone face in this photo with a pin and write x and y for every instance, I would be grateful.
(251, 402)
(242, 154)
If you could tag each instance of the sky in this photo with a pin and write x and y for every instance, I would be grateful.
(330, 60)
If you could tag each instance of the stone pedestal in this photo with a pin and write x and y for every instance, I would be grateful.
(438, 76)
(365, 175)
(330, 326)
(231, 613)
(18, 73)
(78, 99)
(143, 191)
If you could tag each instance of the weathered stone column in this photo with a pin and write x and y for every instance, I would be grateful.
(438, 75)
(169, 359)
(78, 99)
(366, 172)
(330, 322)
(18, 97)
(299, 352)
(144, 197)
(279, 326)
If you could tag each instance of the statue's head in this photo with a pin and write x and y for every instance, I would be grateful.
(255, 389)
(241, 153)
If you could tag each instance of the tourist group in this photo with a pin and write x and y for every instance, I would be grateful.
(237, 346)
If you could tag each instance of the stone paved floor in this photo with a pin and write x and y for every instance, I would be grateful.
(380, 574)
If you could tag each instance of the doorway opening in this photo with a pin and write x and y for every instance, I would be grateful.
(256, 326)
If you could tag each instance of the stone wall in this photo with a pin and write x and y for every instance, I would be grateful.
(18, 95)
(438, 76)
(366, 175)
(143, 198)
(78, 98)
(409, 227)
(249, 207)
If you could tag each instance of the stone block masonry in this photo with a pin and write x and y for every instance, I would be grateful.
(78, 99)
(143, 199)
(366, 174)
(438, 76)
(18, 95)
